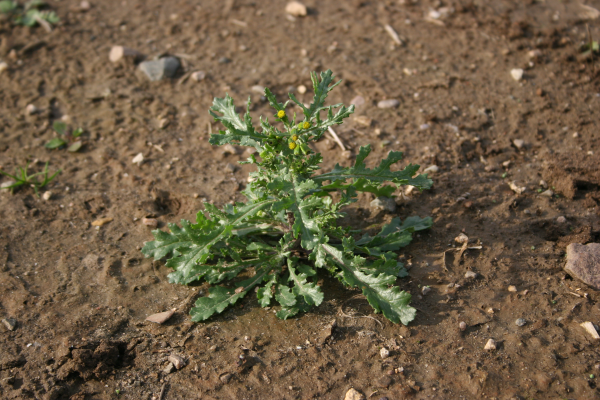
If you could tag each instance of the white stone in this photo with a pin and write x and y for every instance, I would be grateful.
(198, 76)
(84, 5)
(258, 89)
(517, 189)
(390, 103)
(471, 275)
(31, 109)
(431, 169)
(139, 159)
(561, 220)
(462, 325)
(547, 193)
(177, 361)
(296, 9)
(301, 89)
(490, 345)
(47, 195)
(517, 74)
(118, 53)
(519, 143)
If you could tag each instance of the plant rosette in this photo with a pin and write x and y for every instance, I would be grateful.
(287, 229)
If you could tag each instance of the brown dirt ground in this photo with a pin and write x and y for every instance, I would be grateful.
(80, 294)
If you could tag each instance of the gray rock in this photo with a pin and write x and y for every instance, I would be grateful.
(583, 262)
(384, 203)
(156, 70)
(10, 323)
(169, 368)
(520, 322)
(391, 103)
(177, 361)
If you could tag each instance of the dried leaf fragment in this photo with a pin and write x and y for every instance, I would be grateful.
(589, 327)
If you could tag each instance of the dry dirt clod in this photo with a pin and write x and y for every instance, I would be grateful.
(169, 368)
(177, 361)
(296, 9)
(512, 288)
(384, 203)
(515, 188)
(102, 221)
(582, 263)
(471, 275)
(10, 323)
(588, 326)
(150, 222)
(520, 322)
(391, 103)
(490, 345)
(384, 353)
(354, 394)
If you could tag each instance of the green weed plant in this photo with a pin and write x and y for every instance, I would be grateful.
(287, 229)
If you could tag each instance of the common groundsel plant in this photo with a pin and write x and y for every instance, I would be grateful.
(287, 229)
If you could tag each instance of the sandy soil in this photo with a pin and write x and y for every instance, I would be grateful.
(80, 294)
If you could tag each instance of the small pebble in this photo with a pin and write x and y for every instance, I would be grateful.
(169, 368)
(258, 89)
(230, 167)
(3, 66)
(384, 353)
(431, 169)
(162, 317)
(84, 5)
(118, 53)
(47, 195)
(301, 89)
(156, 70)
(163, 123)
(296, 9)
(543, 184)
(539, 92)
(462, 325)
(354, 394)
(512, 288)
(391, 103)
(561, 220)
(198, 76)
(101, 221)
(517, 74)
(520, 322)
(547, 193)
(150, 222)
(224, 60)
(534, 54)
(10, 323)
(519, 143)
(225, 378)
(425, 290)
(139, 159)
(358, 101)
(471, 275)
(31, 109)
(177, 361)
(490, 345)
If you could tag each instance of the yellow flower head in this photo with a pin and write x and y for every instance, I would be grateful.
(294, 137)
(306, 125)
(292, 145)
(280, 114)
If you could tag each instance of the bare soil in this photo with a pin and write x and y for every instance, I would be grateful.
(80, 294)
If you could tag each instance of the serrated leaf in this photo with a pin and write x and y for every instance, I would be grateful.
(216, 302)
(7, 6)
(238, 131)
(391, 301)
(308, 290)
(380, 174)
(265, 293)
(284, 296)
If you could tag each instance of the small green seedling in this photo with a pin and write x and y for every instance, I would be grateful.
(21, 178)
(30, 14)
(65, 138)
(288, 227)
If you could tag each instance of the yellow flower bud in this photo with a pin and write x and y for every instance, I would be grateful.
(294, 137)
(306, 125)
(292, 145)
(280, 114)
